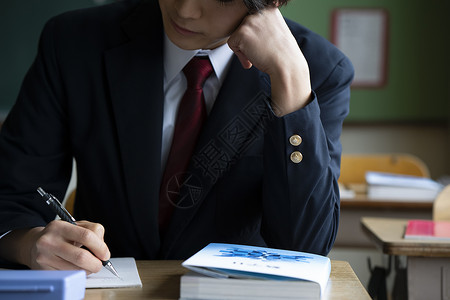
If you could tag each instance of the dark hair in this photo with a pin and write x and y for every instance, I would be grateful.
(256, 5)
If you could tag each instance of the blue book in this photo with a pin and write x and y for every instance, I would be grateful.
(230, 271)
(42, 285)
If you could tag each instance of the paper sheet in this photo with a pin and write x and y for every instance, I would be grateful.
(125, 266)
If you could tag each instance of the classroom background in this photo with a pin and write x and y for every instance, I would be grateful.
(408, 111)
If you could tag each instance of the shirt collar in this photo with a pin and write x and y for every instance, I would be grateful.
(176, 58)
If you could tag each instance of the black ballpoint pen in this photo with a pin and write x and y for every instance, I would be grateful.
(65, 215)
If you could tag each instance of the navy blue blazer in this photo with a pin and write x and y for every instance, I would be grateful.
(95, 93)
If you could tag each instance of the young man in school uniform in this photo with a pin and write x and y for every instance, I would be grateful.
(107, 88)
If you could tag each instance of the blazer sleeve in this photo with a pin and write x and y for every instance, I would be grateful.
(301, 200)
(34, 144)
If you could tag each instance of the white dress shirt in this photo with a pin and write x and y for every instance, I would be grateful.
(175, 84)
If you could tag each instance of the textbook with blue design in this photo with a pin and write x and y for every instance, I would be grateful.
(229, 271)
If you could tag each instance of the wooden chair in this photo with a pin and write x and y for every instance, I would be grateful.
(441, 205)
(70, 201)
(355, 166)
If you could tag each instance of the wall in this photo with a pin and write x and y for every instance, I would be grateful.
(429, 142)
(416, 89)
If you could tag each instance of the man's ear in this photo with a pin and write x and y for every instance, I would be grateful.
(276, 3)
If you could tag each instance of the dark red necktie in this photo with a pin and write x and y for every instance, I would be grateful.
(190, 118)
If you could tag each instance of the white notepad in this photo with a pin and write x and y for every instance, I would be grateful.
(125, 266)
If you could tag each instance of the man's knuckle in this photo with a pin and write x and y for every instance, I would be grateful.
(44, 242)
(85, 236)
(98, 228)
(81, 258)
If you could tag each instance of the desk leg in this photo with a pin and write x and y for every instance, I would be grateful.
(428, 278)
(400, 289)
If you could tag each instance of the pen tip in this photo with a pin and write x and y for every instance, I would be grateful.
(110, 267)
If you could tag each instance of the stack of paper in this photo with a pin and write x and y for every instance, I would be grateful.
(382, 186)
(228, 271)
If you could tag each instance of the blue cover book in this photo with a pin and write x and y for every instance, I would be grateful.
(249, 262)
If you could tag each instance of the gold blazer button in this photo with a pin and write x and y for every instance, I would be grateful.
(295, 140)
(296, 157)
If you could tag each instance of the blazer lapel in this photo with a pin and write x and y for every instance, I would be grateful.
(234, 123)
(135, 76)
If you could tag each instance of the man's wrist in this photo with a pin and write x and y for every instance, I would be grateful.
(290, 94)
(17, 244)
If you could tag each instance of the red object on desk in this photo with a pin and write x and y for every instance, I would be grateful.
(427, 229)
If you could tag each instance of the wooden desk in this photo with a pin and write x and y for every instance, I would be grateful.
(161, 280)
(428, 262)
(361, 201)
(352, 210)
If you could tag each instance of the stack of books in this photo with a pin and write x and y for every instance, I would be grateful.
(381, 186)
(229, 271)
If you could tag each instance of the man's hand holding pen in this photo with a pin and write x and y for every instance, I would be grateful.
(84, 238)
(57, 246)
